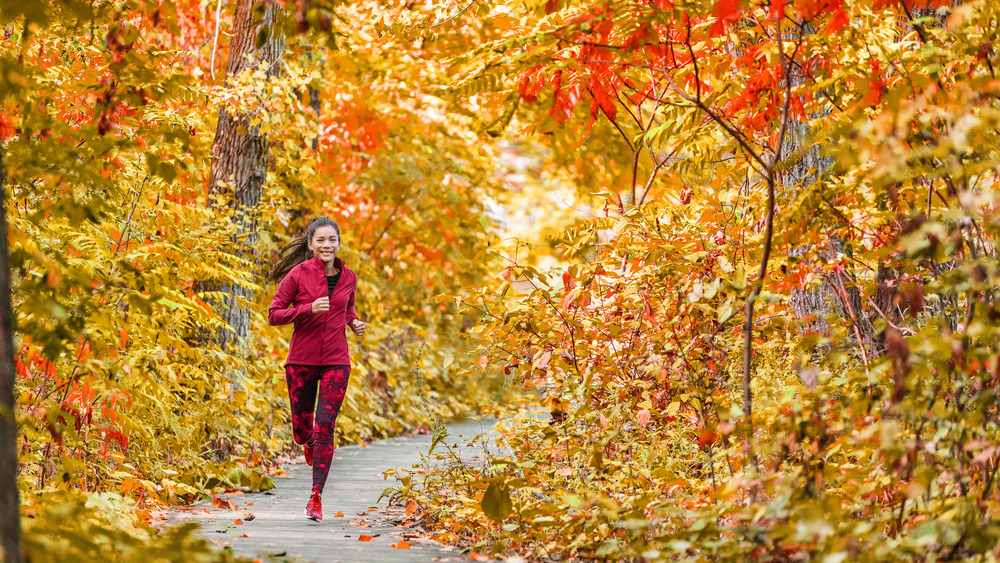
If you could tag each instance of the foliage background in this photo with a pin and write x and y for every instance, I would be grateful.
(768, 334)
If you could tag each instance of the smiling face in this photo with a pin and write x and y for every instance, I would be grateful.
(325, 243)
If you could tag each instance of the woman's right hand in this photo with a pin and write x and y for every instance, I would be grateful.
(321, 304)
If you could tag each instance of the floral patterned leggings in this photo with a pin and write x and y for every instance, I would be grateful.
(303, 383)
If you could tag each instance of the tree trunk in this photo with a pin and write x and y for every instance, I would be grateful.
(240, 155)
(10, 505)
(838, 292)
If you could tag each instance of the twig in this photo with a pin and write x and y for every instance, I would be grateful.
(215, 37)
(857, 331)
(455, 15)
(128, 221)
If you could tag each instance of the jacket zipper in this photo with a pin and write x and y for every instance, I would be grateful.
(322, 342)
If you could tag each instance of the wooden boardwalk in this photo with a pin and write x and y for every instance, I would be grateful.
(272, 525)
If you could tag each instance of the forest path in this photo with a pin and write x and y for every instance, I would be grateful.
(279, 531)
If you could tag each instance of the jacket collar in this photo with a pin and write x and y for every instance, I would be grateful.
(317, 264)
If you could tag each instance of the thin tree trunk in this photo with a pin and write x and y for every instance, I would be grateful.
(811, 306)
(240, 155)
(10, 506)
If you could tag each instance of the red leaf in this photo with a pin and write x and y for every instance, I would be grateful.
(777, 10)
(725, 11)
(839, 19)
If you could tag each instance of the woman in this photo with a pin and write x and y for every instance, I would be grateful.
(316, 294)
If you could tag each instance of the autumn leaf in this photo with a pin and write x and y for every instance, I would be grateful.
(496, 503)
(643, 417)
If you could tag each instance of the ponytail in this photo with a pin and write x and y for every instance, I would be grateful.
(297, 251)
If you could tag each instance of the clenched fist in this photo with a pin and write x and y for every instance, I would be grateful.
(358, 327)
(321, 304)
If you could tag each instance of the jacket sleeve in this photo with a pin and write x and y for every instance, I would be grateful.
(352, 315)
(280, 314)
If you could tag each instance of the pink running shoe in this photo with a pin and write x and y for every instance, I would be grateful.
(314, 508)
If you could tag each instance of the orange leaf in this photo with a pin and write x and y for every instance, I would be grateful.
(54, 276)
(338, 515)
(143, 515)
(707, 437)
(401, 545)
(238, 522)
(222, 503)
(363, 537)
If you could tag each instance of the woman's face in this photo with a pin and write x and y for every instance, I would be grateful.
(325, 243)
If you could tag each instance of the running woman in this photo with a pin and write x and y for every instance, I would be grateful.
(316, 294)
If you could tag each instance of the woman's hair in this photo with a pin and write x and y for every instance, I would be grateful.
(297, 251)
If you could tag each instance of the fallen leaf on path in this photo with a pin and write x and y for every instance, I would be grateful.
(143, 515)
(248, 517)
(338, 515)
(237, 521)
(363, 537)
(245, 536)
(475, 556)
(364, 445)
(403, 544)
(222, 503)
(249, 504)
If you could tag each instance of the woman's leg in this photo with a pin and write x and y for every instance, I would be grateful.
(302, 382)
(332, 388)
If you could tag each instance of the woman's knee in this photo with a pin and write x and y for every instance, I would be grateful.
(324, 433)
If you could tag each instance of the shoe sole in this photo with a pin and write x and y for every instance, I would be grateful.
(313, 518)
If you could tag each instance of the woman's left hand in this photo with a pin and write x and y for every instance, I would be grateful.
(358, 327)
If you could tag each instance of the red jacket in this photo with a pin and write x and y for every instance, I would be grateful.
(318, 339)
